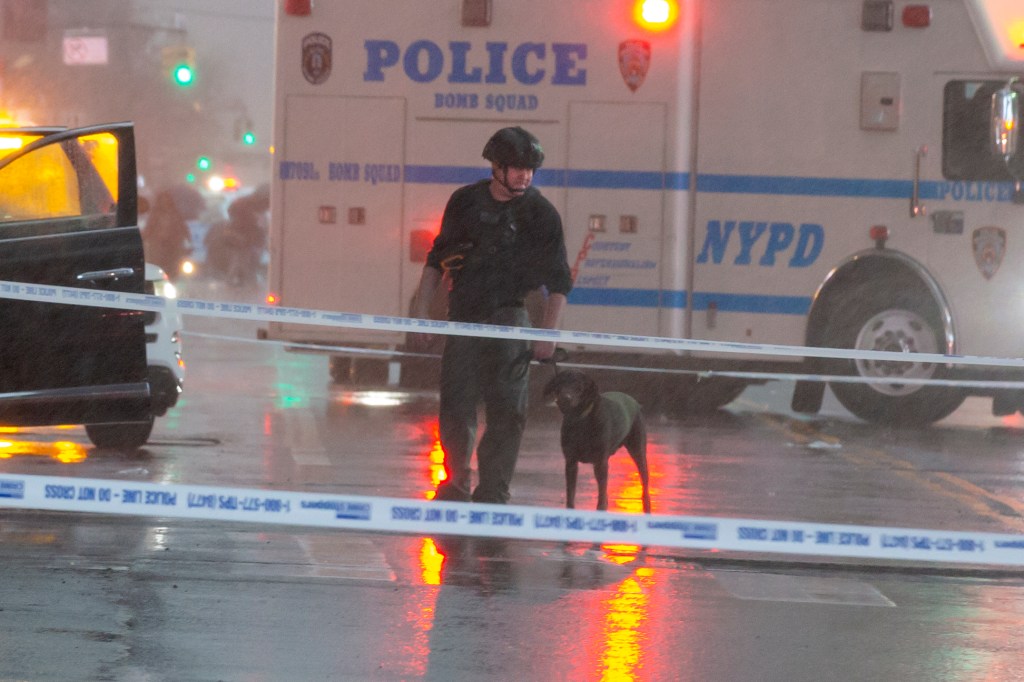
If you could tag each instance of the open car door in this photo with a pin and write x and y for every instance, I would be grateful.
(68, 217)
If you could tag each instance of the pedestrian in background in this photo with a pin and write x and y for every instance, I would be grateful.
(166, 238)
(500, 239)
(247, 236)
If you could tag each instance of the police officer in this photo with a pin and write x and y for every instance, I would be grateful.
(499, 240)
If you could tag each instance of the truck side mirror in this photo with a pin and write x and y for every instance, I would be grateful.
(1005, 121)
(1004, 125)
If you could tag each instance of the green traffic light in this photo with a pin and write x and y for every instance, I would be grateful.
(203, 163)
(249, 138)
(183, 75)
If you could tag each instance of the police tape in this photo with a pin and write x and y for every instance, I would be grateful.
(354, 351)
(367, 321)
(407, 516)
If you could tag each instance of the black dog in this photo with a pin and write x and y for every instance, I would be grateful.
(594, 426)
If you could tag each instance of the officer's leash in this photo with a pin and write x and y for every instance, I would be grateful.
(521, 365)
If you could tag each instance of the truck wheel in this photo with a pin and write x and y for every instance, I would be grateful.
(693, 395)
(891, 316)
(121, 436)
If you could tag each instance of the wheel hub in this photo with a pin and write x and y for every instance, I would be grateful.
(897, 331)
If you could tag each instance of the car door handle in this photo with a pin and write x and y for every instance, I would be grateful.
(105, 275)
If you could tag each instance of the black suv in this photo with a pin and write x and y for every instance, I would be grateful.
(68, 217)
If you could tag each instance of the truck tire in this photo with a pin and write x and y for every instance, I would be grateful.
(120, 436)
(891, 316)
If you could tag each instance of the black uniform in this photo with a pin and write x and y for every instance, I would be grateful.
(507, 249)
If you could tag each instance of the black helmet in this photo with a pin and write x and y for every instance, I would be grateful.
(514, 147)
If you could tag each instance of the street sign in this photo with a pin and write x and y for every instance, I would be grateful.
(85, 50)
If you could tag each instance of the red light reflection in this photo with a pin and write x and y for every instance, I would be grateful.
(621, 626)
(626, 614)
(415, 650)
(431, 562)
(624, 487)
(430, 558)
(1015, 420)
(622, 622)
(622, 634)
(435, 456)
(620, 554)
(620, 643)
(63, 451)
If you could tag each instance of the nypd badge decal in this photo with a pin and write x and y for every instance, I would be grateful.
(634, 60)
(316, 57)
(989, 249)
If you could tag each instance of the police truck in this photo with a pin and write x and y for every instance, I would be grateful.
(842, 174)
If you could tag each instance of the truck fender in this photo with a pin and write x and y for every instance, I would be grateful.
(870, 264)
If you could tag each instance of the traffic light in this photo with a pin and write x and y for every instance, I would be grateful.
(183, 75)
(243, 130)
(203, 163)
(180, 64)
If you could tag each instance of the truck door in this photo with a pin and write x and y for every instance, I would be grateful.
(342, 199)
(68, 218)
(614, 216)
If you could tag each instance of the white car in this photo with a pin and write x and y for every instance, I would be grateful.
(163, 345)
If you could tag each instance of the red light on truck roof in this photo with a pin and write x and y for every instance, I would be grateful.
(1017, 33)
(656, 15)
(1002, 28)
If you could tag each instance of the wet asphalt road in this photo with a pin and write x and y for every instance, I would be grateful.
(105, 598)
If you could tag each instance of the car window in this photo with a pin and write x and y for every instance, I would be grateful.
(75, 177)
(101, 150)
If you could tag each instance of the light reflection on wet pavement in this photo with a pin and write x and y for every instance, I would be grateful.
(180, 600)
